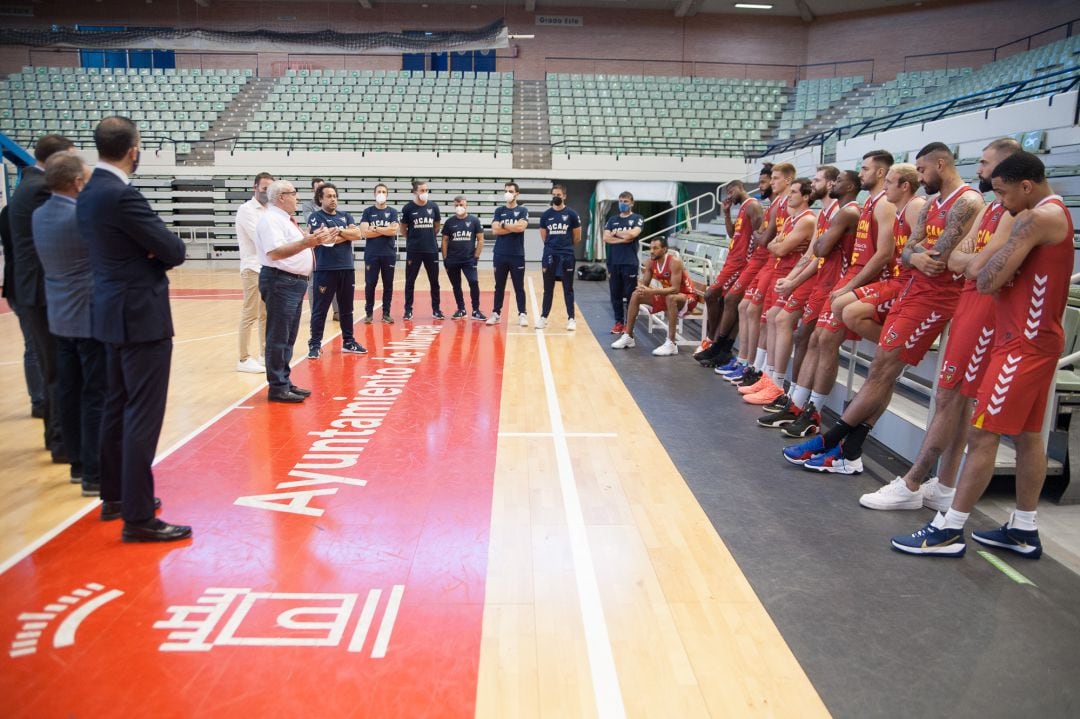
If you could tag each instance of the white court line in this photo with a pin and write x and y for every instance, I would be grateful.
(208, 337)
(551, 434)
(83, 511)
(606, 691)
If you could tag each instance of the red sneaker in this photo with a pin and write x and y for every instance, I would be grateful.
(618, 329)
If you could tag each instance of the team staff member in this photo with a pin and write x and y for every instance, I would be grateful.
(310, 206)
(379, 226)
(253, 311)
(462, 243)
(287, 263)
(334, 276)
(560, 230)
(421, 219)
(69, 289)
(509, 226)
(1029, 277)
(130, 251)
(620, 235)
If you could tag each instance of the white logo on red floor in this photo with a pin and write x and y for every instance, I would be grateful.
(71, 609)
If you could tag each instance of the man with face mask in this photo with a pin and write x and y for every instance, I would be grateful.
(462, 243)
(334, 277)
(69, 288)
(130, 252)
(509, 226)
(620, 234)
(379, 226)
(253, 311)
(421, 219)
(560, 229)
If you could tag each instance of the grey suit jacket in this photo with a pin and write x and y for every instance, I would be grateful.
(65, 257)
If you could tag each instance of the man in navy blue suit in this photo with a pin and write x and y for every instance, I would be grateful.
(130, 251)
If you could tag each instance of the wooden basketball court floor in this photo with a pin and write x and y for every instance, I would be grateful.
(507, 538)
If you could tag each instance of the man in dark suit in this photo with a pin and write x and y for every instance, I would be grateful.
(35, 386)
(130, 251)
(29, 282)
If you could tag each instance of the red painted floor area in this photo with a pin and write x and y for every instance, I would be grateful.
(329, 575)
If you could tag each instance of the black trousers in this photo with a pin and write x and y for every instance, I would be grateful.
(284, 297)
(622, 280)
(35, 386)
(374, 268)
(430, 262)
(37, 322)
(515, 268)
(83, 382)
(130, 428)
(328, 286)
(454, 271)
(567, 279)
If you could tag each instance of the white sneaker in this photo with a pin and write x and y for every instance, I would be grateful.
(623, 342)
(541, 323)
(250, 365)
(667, 349)
(261, 361)
(493, 320)
(571, 325)
(936, 495)
(523, 320)
(894, 495)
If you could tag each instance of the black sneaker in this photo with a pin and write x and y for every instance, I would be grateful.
(408, 315)
(314, 353)
(777, 404)
(91, 489)
(438, 315)
(719, 359)
(352, 347)
(478, 316)
(807, 423)
(368, 319)
(781, 417)
(750, 378)
(388, 320)
(458, 315)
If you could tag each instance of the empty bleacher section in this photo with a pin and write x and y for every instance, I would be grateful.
(384, 111)
(171, 106)
(813, 99)
(655, 115)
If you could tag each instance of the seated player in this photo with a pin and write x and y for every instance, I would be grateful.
(462, 243)
(674, 296)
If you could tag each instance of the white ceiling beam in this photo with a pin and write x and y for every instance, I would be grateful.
(805, 12)
(687, 8)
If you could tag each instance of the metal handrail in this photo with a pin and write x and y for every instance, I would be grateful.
(745, 148)
(1060, 81)
(644, 240)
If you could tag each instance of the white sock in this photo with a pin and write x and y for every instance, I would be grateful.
(938, 522)
(778, 378)
(954, 519)
(767, 370)
(743, 361)
(818, 400)
(1023, 520)
(759, 359)
(799, 395)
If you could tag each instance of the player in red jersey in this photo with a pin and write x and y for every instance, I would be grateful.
(789, 248)
(866, 316)
(963, 363)
(674, 296)
(917, 317)
(722, 303)
(757, 277)
(1029, 276)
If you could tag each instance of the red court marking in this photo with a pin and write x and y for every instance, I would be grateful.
(421, 522)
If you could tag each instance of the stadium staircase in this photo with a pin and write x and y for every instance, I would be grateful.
(231, 122)
(531, 138)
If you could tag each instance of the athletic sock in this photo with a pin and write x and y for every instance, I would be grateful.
(778, 379)
(818, 399)
(759, 359)
(1023, 520)
(954, 519)
(767, 370)
(938, 522)
(799, 395)
(743, 362)
(853, 443)
(835, 435)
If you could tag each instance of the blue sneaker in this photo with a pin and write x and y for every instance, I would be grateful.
(736, 375)
(1022, 541)
(729, 367)
(932, 541)
(800, 453)
(834, 462)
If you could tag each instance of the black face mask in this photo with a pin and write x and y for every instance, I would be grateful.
(556, 201)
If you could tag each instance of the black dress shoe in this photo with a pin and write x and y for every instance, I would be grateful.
(154, 531)
(112, 510)
(37, 412)
(60, 457)
(299, 390)
(76, 474)
(288, 397)
(91, 489)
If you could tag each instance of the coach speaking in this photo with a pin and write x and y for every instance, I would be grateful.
(130, 251)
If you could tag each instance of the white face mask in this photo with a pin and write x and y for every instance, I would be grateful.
(380, 197)
(422, 197)
(460, 211)
(509, 196)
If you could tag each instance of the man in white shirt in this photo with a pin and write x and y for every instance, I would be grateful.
(284, 251)
(254, 309)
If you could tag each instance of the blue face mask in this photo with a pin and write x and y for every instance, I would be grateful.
(624, 207)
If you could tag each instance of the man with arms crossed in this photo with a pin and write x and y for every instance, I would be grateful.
(379, 226)
(509, 226)
(334, 275)
(462, 243)
(620, 235)
(253, 311)
(421, 219)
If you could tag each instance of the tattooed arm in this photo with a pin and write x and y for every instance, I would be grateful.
(958, 223)
(1044, 226)
(918, 236)
(1001, 236)
(965, 251)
